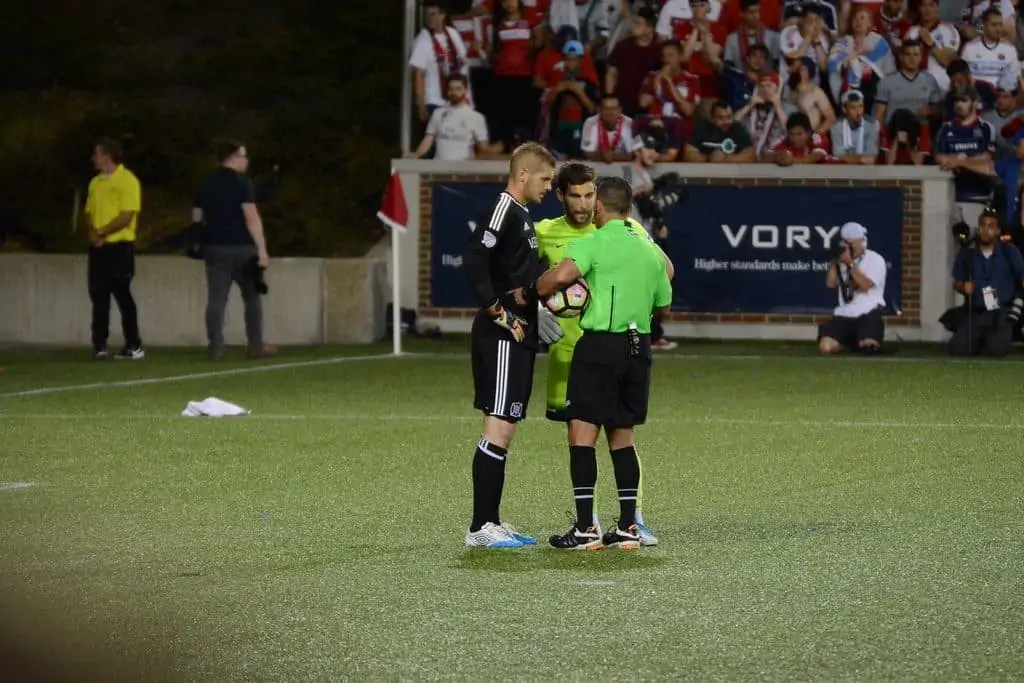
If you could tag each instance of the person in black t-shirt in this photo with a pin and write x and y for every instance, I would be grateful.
(722, 140)
(234, 248)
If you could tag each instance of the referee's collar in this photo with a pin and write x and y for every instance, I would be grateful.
(616, 222)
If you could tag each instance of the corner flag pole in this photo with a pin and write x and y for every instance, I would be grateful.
(394, 213)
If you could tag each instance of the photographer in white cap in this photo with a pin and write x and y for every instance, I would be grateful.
(859, 275)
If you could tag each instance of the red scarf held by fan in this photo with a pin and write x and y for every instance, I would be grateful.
(602, 137)
(448, 60)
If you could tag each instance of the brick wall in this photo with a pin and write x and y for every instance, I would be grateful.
(911, 256)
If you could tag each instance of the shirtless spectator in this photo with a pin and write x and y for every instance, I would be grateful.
(807, 96)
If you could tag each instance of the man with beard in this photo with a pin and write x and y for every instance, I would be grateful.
(576, 188)
(458, 129)
(855, 138)
(966, 146)
(988, 275)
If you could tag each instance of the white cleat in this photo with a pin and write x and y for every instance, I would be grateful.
(491, 535)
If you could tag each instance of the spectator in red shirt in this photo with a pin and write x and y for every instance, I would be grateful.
(905, 141)
(632, 59)
(801, 146)
(671, 91)
(551, 56)
(514, 97)
(571, 97)
(893, 22)
(703, 43)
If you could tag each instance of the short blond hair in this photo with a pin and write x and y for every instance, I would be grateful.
(529, 152)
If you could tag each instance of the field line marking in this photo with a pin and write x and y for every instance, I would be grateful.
(193, 375)
(16, 485)
(850, 358)
(755, 422)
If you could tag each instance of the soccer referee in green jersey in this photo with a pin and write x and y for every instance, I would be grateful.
(610, 372)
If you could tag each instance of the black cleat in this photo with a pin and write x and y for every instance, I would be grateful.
(623, 540)
(574, 539)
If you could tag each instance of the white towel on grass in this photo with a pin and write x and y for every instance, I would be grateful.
(212, 407)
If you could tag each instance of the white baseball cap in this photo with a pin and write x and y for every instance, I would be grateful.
(853, 231)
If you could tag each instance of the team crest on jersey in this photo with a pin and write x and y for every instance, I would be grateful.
(526, 227)
(489, 239)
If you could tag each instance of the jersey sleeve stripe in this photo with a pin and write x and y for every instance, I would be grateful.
(498, 216)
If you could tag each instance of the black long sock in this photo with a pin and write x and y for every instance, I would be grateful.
(627, 480)
(488, 481)
(583, 471)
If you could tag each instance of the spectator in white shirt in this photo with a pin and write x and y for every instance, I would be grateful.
(437, 52)
(458, 130)
(988, 55)
(859, 275)
(608, 135)
(940, 42)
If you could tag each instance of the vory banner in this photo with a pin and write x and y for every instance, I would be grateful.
(766, 249)
(735, 249)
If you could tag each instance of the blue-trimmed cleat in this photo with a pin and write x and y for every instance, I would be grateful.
(522, 538)
(491, 535)
(647, 539)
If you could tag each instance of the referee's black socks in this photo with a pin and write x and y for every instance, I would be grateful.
(627, 480)
(488, 482)
(583, 472)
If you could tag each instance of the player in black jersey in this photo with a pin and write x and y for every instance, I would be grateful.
(501, 260)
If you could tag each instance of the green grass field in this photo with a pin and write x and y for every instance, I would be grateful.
(820, 520)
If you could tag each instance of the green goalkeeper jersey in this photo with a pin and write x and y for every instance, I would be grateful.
(554, 235)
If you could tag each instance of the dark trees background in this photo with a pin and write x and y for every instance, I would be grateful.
(312, 86)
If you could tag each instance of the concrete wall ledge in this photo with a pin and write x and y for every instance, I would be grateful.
(44, 299)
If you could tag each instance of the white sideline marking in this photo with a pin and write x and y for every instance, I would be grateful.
(16, 486)
(594, 582)
(754, 422)
(194, 375)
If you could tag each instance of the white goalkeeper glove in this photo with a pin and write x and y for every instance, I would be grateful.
(548, 328)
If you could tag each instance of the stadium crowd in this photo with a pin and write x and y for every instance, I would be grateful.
(778, 81)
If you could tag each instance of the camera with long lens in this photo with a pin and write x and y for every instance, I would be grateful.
(668, 191)
(840, 248)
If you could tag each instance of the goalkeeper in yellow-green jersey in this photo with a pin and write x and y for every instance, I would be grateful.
(576, 188)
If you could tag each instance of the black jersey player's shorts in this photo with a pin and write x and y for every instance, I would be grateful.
(607, 386)
(502, 371)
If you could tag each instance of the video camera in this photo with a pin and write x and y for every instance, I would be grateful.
(668, 190)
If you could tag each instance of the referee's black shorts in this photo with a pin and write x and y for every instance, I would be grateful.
(607, 386)
(502, 371)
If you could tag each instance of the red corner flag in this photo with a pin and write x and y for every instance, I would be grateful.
(393, 210)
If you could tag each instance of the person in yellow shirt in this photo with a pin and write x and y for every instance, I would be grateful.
(111, 219)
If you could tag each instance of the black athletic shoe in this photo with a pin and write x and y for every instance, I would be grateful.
(131, 353)
(623, 540)
(574, 539)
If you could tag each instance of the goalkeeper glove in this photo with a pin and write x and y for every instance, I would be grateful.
(505, 318)
(547, 325)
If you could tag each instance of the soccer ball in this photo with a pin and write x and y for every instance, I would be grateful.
(569, 302)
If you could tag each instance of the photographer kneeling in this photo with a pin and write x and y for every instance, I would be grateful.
(989, 274)
(859, 275)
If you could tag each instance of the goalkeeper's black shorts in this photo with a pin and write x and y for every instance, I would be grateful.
(502, 371)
